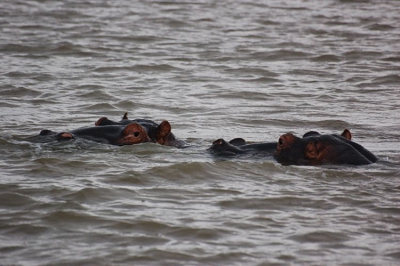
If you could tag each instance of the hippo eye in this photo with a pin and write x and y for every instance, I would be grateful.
(280, 141)
(136, 134)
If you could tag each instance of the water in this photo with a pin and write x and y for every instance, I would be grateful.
(256, 70)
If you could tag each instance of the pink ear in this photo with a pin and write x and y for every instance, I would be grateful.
(346, 134)
(163, 130)
(165, 126)
(100, 121)
(218, 142)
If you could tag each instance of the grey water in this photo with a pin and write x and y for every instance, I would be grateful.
(213, 69)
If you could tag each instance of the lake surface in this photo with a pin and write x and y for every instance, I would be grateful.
(213, 69)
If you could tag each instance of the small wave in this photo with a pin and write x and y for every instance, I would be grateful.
(184, 172)
(321, 237)
(73, 217)
(97, 195)
(388, 79)
(267, 22)
(126, 105)
(170, 22)
(12, 199)
(8, 105)
(251, 71)
(138, 68)
(20, 92)
(36, 76)
(61, 48)
(189, 233)
(167, 257)
(97, 94)
(150, 226)
(276, 203)
(261, 80)
(392, 59)
(18, 48)
(395, 255)
(383, 80)
(141, 39)
(101, 107)
(361, 55)
(280, 55)
(326, 58)
(68, 48)
(91, 87)
(381, 27)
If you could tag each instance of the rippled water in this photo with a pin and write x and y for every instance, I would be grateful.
(254, 69)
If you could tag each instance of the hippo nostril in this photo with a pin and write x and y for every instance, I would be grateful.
(280, 141)
(136, 134)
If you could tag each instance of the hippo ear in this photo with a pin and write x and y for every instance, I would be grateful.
(219, 142)
(125, 116)
(238, 142)
(286, 141)
(101, 121)
(311, 151)
(163, 130)
(346, 134)
(132, 134)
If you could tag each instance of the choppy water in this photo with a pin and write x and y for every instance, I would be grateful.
(254, 69)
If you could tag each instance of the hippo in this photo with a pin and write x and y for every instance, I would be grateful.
(158, 133)
(129, 134)
(315, 149)
(239, 146)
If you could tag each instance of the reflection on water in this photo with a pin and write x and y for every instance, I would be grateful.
(240, 69)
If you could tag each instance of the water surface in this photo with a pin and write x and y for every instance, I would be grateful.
(251, 69)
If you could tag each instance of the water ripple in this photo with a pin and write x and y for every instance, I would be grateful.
(250, 69)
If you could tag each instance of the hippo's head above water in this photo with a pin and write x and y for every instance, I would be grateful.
(314, 148)
(158, 133)
(129, 134)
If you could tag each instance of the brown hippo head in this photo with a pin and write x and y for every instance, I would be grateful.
(315, 148)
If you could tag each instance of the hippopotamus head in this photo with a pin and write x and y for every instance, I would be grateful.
(132, 133)
(315, 148)
(158, 133)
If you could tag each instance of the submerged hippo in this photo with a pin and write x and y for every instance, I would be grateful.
(312, 148)
(129, 134)
(315, 148)
(239, 146)
(158, 133)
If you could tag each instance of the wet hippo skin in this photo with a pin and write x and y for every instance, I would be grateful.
(158, 133)
(312, 149)
(315, 148)
(239, 146)
(129, 134)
